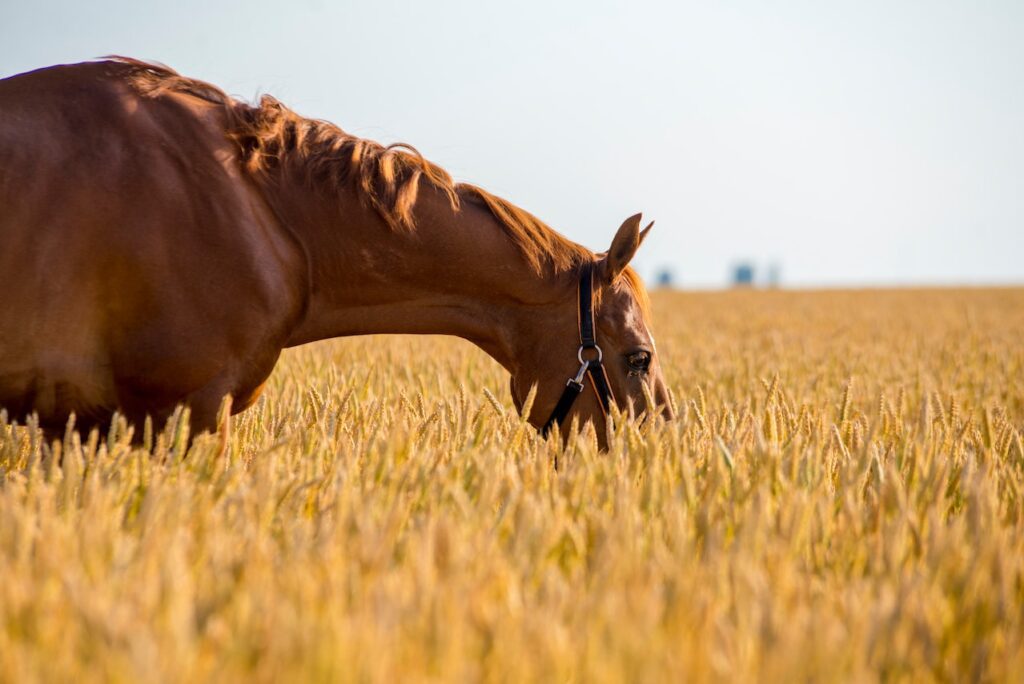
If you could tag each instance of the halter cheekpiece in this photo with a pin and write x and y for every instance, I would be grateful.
(589, 357)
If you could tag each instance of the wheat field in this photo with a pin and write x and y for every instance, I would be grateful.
(840, 499)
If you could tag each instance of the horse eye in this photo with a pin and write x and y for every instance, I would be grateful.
(639, 361)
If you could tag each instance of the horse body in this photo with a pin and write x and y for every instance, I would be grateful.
(137, 269)
(160, 243)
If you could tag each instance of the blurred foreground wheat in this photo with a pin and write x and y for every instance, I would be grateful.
(840, 499)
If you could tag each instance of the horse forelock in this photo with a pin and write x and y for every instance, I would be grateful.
(270, 136)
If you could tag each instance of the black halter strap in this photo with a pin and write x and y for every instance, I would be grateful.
(589, 356)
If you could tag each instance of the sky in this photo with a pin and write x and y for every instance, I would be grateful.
(849, 143)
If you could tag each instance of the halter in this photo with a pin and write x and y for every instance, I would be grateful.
(588, 366)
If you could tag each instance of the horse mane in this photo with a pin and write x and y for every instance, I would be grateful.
(270, 135)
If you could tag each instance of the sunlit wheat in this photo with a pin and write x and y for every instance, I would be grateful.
(839, 499)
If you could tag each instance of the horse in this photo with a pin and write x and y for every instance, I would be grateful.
(162, 242)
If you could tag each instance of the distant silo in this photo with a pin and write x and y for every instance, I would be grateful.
(743, 275)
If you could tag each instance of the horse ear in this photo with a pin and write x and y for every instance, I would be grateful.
(624, 245)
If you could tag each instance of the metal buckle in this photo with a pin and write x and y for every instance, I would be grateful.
(578, 380)
(585, 363)
(579, 353)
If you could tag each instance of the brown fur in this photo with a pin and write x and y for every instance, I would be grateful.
(161, 242)
(271, 135)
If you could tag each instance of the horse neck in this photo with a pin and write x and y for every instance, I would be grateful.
(456, 273)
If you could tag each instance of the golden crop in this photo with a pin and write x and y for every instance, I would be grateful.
(840, 500)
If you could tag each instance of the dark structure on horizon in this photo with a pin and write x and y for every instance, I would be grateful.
(665, 278)
(743, 275)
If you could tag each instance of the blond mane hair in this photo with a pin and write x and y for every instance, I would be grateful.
(271, 136)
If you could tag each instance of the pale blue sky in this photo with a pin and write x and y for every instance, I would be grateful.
(852, 142)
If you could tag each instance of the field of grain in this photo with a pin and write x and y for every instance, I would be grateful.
(839, 500)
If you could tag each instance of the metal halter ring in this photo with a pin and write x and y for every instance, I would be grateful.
(588, 340)
(579, 354)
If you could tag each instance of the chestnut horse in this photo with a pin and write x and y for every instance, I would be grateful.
(162, 242)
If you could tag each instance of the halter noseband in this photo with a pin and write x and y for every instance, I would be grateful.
(588, 366)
